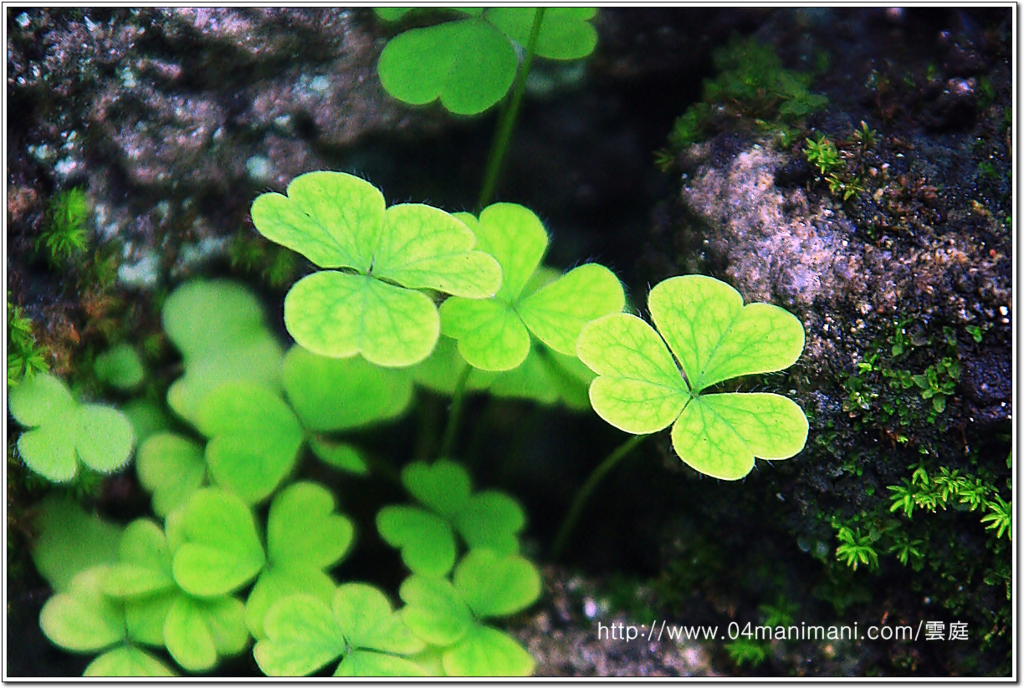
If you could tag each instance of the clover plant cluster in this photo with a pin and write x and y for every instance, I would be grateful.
(241, 551)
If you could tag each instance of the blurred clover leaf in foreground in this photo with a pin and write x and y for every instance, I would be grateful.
(447, 614)
(220, 329)
(714, 337)
(331, 394)
(83, 620)
(254, 438)
(368, 301)
(171, 467)
(70, 540)
(495, 334)
(304, 633)
(469, 64)
(64, 431)
(426, 537)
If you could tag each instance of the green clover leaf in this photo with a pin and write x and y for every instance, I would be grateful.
(83, 619)
(469, 65)
(340, 221)
(714, 337)
(488, 519)
(120, 367)
(445, 615)
(304, 537)
(64, 431)
(196, 632)
(303, 634)
(565, 32)
(341, 456)
(215, 545)
(339, 394)
(71, 541)
(494, 334)
(254, 438)
(127, 661)
(220, 329)
(170, 467)
(144, 566)
(426, 541)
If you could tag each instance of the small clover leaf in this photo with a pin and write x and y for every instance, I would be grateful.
(565, 32)
(640, 388)
(496, 585)
(434, 610)
(120, 367)
(215, 545)
(427, 539)
(64, 431)
(469, 65)
(144, 566)
(127, 661)
(494, 334)
(485, 651)
(254, 438)
(304, 537)
(445, 615)
(71, 541)
(198, 631)
(304, 634)
(83, 619)
(341, 456)
(170, 467)
(339, 221)
(339, 394)
(220, 329)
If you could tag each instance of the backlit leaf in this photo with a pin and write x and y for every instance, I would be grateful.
(715, 337)
(127, 661)
(171, 467)
(426, 541)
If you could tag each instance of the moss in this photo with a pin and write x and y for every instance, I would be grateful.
(65, 235)
(753, 87)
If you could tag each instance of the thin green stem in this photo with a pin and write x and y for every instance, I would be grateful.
(569, 523)
(508, 117)
(452, 429)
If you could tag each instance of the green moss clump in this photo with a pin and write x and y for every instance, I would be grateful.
(752, 84)
(65, 234)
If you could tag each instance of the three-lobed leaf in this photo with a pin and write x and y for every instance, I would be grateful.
(470, 64)
(304, 537)
(340, 221)
(215, 544)
(303, 634)
(220, 329)
(254, 438)
(64, 431)
(495, 334)
(640, 388)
